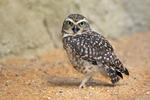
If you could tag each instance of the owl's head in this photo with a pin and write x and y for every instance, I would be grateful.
(75, 24)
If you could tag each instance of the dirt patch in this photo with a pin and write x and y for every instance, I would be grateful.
(51, 76)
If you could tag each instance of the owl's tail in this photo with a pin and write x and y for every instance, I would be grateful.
(113, 74)
(115, 70)
(119, 66)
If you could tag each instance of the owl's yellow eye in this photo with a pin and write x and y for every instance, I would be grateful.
(69, 23)
(81, 24)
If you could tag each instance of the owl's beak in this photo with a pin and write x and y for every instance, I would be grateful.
(75, 29)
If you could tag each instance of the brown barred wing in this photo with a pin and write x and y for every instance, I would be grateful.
(92, 47)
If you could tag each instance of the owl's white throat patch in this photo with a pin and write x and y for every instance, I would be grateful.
(66, 35)
(78, 33)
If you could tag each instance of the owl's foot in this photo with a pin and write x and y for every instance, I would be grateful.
(82, 86)
(84, 81)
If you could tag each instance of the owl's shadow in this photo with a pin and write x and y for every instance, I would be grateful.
(70, 81)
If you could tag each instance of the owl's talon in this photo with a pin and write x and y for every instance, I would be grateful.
(84, 81)
(82, 86)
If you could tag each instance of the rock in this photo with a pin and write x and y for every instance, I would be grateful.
(31, 27)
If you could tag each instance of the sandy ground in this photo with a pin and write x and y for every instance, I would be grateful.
(51, 76)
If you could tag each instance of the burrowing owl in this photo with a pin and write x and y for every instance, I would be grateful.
(89, 52)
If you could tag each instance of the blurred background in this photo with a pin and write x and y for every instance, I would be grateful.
(31, 27)
(34, 65)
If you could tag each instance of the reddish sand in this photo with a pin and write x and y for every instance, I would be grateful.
(51, 76)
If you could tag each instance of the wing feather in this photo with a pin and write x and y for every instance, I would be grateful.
(92, 47)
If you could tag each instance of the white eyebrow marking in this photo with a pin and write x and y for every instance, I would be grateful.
(82, 20)
(68, 19)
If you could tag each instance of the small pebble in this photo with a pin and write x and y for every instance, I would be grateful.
(60, 91)
(49, 98)
(91, 87)
(148, 92)
(90, 93)
(6, 84)
(16, 75)
(118, 89)
(134, 78)
(29, 83)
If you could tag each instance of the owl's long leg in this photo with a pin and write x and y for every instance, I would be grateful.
(85, 80)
